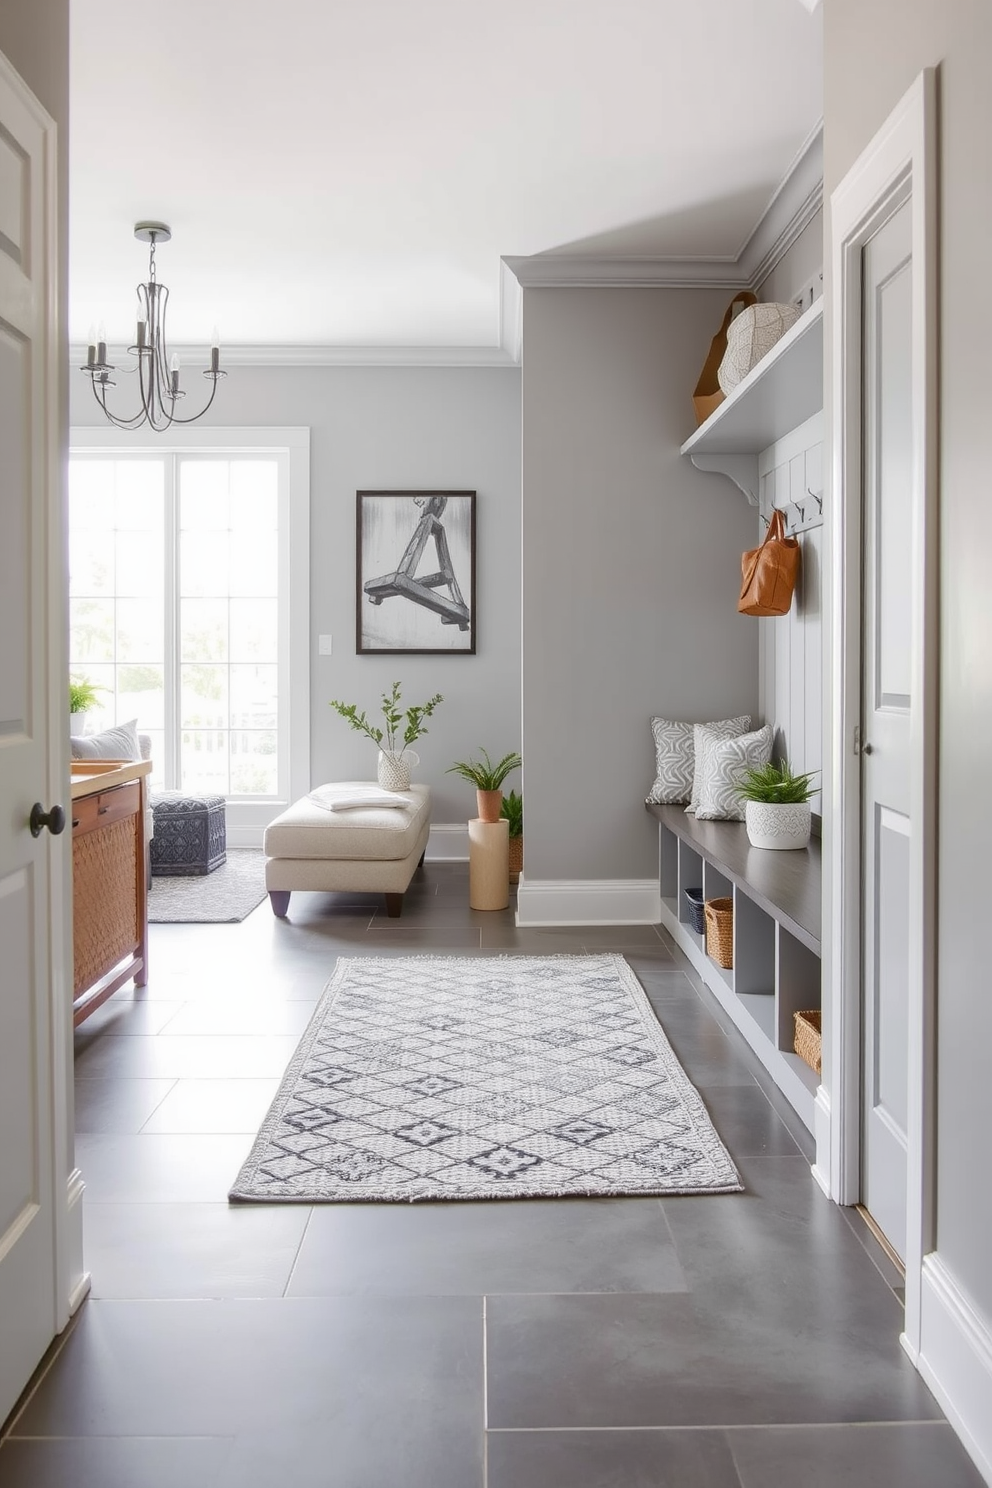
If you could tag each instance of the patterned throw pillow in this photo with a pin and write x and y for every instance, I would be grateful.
(120, 743)
(702, 734)
(726, 763)
(673, 761)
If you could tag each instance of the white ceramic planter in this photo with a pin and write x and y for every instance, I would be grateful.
(394, 769)
(79, 724)
(774, 826)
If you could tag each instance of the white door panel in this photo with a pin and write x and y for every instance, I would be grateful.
(28, 1288)
(886, 718)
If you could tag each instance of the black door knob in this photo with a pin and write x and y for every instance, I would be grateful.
(54, 820)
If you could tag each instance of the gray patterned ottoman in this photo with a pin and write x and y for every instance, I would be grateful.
(190, 835)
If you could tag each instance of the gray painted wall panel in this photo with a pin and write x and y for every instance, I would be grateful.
(381, 428)
(631, 569)
(872, 54)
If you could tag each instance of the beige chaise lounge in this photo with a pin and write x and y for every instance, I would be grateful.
(373, 849)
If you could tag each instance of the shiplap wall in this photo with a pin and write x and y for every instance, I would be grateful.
(790, 651)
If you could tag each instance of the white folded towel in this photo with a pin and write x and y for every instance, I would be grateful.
(352, 798)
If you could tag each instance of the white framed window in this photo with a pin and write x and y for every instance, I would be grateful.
(189, 605)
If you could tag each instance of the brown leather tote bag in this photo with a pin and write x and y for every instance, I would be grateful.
(768, 573)
(709, 394)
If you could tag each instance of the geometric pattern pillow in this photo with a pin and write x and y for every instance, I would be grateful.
(727, 761)
(120, 743)
(703, 735)
(673, 761)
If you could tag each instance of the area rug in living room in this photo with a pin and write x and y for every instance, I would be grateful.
(458, 1077)
(223, 897)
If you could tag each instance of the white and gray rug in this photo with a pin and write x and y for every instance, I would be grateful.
(226, 896)
(456, 1077)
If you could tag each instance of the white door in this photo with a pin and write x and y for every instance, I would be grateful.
(886, 715)
(30, 941)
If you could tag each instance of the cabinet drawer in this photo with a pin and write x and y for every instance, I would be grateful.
(99, 810)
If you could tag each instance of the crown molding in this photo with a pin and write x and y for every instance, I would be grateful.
(792, 207)
(195, 357)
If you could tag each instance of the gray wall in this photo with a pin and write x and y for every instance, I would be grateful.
(379, 428)
(631, 568)
(803, 262)
(872, 54)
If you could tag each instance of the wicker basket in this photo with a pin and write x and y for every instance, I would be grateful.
(720, 931)
(697, 914)
(808, 1042)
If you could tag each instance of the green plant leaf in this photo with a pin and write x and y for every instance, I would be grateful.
(393, 718)
(484, 774)
(776, 784)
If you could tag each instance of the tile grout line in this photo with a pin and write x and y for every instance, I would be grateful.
(720, 1426)
(485, 1391)
(296, 1257)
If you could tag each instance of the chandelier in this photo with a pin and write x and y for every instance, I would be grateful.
(158, 372)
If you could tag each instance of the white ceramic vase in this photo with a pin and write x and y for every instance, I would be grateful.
(394, 769)
(777, 826)
(79, 724)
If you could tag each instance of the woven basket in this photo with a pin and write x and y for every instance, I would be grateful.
(697, 914)
(516, 858)
(720, 931)
(808, 1042)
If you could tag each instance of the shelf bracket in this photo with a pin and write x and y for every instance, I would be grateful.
(741, 469)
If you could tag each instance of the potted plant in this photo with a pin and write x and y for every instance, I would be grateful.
(777, 810)
(513, 810)
(402, 727)
(82, 698)
(488, 780)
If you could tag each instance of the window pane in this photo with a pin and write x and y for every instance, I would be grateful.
(91, 562)
(203, 630)
(254, 696)
(140, 630)
(204, 697)
(140, 563)
(254, 495)
(140, 494)
(254, 630)
(253, 763)
(254, 559)
(141, 695)
(204, 761)
(203, 563)
(203, 500)
(91, 494)
(91, 630)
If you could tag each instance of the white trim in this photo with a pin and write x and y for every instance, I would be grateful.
(334, 356)
(448, 842)
(79, 1277)
(955, 1359)
(821, 1133)
(608, 901)
(899, 164)
(511, 314)
(792, 207)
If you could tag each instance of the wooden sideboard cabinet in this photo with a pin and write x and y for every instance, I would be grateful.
(109, 880)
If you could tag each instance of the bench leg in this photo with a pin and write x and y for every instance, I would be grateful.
(394, 906)
(422, 857)
(279, 899)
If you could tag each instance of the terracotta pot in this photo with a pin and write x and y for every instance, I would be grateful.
(489, 804)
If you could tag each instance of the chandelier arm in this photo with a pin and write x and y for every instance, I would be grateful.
(193, 417)
(134, 422)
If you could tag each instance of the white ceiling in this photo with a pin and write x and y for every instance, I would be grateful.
(349, 172)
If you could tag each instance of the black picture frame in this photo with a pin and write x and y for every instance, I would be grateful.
(405, 603)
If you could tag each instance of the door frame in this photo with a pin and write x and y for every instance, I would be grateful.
(898, 165)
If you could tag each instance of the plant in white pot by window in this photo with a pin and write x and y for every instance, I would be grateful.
(82, 699)
(402, 727)
(777, 809)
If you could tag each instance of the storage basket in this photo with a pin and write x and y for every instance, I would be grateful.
(808, 1042)
(720, 931)
(697, 913)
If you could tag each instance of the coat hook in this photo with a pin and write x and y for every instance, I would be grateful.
(817, 499)
(801, 510)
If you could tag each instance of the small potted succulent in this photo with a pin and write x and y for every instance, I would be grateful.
(777, 809)
(487, 778)
(83, 697)
(513, 810)
(402, 728)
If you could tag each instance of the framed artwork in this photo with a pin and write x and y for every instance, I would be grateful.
(415, 589)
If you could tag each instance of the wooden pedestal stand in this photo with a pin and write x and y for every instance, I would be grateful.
(488, 864)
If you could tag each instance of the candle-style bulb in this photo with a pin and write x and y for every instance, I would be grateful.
(142, 331)
(215, 338)
(175, 363)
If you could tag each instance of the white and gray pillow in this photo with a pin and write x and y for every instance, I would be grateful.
(675, 757)
(120, 743)
(726, 762)
(702, 735)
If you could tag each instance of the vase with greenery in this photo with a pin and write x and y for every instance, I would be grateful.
(487, 777)
(512, 811)
(777, 810)
(83, 698)
(401, 728)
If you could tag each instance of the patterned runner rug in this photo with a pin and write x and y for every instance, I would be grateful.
(457, 1077)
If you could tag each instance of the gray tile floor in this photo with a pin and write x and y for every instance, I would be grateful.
(732, 1341)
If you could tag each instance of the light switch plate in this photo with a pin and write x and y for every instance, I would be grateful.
(324, 646)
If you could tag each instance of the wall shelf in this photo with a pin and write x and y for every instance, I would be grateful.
(780, 393)
(776, 970)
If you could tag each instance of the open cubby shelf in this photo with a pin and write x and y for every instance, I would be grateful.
(776, 969)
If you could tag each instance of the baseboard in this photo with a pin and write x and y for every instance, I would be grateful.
(620, 901)
(448, 842)
(822, 1133)
(955, 1359)
(78, 1276)
(244, 836)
